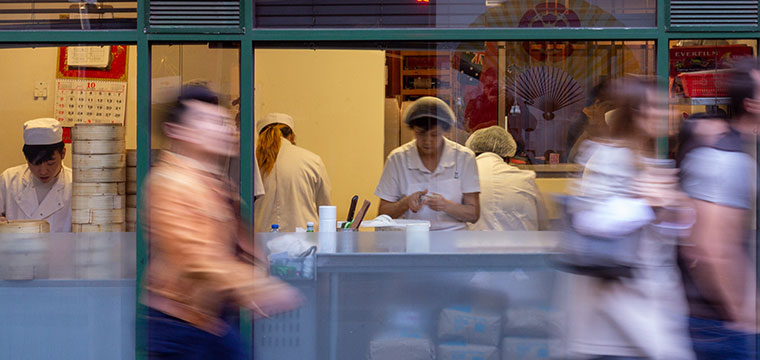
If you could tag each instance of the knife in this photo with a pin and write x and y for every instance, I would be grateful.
(352, 208)
(360, 215)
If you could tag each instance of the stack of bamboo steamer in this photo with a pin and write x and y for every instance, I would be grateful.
(99, 174)
(22, 249)
(131, 190)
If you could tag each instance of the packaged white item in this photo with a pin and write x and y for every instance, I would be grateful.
(519, 348)
(461, 351)
(401, 345)
(463, 324)
(532, 321)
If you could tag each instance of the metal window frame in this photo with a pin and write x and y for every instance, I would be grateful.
(249, 37)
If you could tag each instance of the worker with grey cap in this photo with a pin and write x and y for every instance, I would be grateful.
(295, 179)
(511, 200)
(431, 178)
(41, 188)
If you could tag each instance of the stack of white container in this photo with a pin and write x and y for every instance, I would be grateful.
(97, 201)
(131, 190)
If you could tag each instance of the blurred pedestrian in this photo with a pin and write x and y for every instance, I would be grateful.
(194, 273)
(717, 172)
(510, 197)
(641, 315)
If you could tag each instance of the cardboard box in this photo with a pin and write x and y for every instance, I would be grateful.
(532, 322)
(460, 351)
(401, 345)
(518, 348)
(463, 324)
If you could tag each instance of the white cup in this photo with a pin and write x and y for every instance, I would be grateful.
(418, 238)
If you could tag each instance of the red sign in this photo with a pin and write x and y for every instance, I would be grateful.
(697, 58)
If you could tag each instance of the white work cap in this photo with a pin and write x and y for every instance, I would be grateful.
(42, 131)
(492, 139)
(275, 118)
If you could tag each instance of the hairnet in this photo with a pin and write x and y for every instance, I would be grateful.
(492, 139)
(430, 107)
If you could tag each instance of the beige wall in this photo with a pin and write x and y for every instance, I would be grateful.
(20, 69)
(336, 98)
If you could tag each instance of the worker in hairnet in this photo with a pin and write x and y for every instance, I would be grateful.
(509, 197)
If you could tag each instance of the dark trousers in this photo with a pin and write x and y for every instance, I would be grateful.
(712, 340)
(175, 339)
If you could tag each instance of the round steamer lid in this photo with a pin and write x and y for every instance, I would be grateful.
(117, 188)
(97, 132)
(97, 216)
(98, 175)
(100, 161)
(98, 147)
(24, 227)
(105, 202)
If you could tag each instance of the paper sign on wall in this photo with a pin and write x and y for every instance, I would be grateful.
(90, 101)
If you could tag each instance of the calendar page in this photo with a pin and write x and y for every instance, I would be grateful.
(90, 101)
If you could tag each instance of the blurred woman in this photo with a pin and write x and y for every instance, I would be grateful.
(295, 179)
(644, 315)
(431, 178)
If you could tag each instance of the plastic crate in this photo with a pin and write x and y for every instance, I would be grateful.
(710, 83)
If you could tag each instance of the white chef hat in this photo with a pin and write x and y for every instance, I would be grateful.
(275, 118)
(42, 131)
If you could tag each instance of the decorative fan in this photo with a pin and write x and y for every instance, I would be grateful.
(549, 89)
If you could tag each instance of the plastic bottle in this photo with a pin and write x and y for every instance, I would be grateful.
(310, 226)
(275, 228)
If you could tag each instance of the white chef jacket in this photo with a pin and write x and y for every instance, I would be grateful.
(404, 174)
(509, 197)
(293, 191)
(18, 198)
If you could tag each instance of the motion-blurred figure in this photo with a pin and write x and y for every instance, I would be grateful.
(194, 272)
(717, 173)
(641, 315)
(510, 197)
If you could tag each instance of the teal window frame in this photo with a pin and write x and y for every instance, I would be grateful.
(248, 38)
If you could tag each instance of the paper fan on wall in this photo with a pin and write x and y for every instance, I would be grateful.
(547, 88)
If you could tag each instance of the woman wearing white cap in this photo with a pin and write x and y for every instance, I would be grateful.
(511, 200)
(295, 180)
(41, 188)
(431, 178)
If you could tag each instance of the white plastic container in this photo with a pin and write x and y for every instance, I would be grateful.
(418, 238)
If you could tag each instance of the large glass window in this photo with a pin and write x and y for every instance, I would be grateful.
(68, 15)
(455, 14)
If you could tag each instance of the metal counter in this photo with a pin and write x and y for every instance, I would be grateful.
(370, 281)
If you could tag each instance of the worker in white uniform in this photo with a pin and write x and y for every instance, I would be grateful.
(510, 197)
(295, 180)
(41, 188)
(431, 178)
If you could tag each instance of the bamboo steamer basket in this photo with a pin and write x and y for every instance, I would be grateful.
(98, 189)
(97, 132)
(98, 147)
(131, 157)
(131, 173)
(97, 216)
(131, 201)
(24, 227)
(105, 202)
(100, 161)
(131, 227)
(98, 175)
(131, 215)
(131, 187)
(80, 228)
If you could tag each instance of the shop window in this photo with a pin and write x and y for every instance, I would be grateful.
(455, 14)
(540, 92)
(698, 76)
(68, 15)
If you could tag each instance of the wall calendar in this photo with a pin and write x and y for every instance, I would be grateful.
(81, 101)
